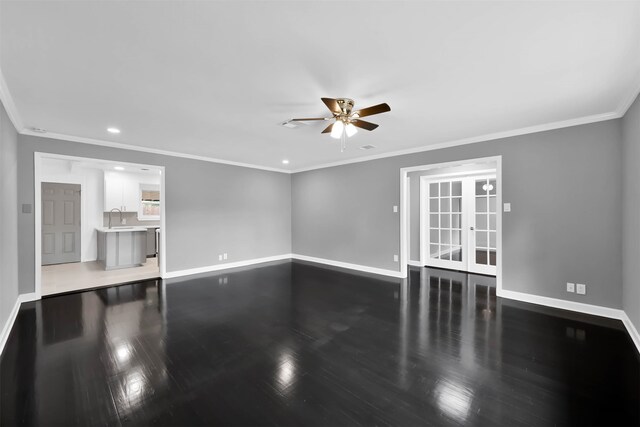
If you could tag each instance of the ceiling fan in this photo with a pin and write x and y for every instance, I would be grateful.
(346, 120)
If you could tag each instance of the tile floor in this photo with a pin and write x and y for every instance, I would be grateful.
(85, 275)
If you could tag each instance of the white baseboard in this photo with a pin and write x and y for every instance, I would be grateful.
(225, 266)
(367, 269)
(9, 325)
(415, 263)
(579, 307)
(6, 330)
(631, 328)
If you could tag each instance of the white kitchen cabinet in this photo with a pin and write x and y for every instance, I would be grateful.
(113, 186)
(121, 191)
(130, 193)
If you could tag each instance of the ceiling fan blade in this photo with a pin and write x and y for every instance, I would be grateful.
(328, 128)
(308, 119)
(332, 105)
(364, 125)
(370, 111)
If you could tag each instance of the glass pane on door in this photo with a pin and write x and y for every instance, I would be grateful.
(445, 223)
(485, 222)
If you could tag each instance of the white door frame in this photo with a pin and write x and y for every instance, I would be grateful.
(496, 162)
(37, 179)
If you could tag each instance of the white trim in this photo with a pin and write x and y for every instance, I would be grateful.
(8, 326)
(37, 219)
(9, 105)
(366, 269)
(482, 138)
(415, 263)
(404, 211)
(631, 328)
(37, 210)
(579, 307)
(464, 141)
(595, 310)
(150, 150)
(225, 266)
(12, 112)
(626, 103)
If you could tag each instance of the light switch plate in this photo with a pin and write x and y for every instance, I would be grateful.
(224, 255)
(507, 207)
(571, 287)
(581, 289)
(220, 257)
(395, 258)
(395, 209)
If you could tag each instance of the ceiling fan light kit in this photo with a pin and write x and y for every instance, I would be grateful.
(346, 120)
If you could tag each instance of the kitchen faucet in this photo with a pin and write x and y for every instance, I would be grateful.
(111, 211)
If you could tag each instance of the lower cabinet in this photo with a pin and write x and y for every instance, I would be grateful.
(122, 249)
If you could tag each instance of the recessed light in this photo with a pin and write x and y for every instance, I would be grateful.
(113, 130)
(118, 168)
(285, 162)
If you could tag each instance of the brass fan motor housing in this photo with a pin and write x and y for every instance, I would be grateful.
(346, 106)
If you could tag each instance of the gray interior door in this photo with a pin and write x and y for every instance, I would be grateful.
(60, 223)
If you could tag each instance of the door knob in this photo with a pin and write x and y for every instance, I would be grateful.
(471, 228)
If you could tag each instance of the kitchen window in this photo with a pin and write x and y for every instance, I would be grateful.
(149, 202)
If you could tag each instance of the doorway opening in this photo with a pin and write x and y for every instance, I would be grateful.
(451, 217)
(98, 223)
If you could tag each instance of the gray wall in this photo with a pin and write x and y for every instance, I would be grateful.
(211, 208)
(414, 201)
(631, 213)
(564, 186)
(8, 217)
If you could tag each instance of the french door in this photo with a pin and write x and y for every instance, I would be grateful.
(458, 223)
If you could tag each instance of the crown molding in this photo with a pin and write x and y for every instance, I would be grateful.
(620, 111)
(626, 103)
(150, 150)
(9, 105)
(482, 138)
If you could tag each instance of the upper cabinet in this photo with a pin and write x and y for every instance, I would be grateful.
(113, 191)
(124, 191)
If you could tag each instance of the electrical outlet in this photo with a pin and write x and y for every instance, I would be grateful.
(571, 287)
(395, 258)
(124, 221)
(220, 257)
(224, 255)
(582, 289)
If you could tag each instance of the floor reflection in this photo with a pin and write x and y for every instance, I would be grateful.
(298, 344)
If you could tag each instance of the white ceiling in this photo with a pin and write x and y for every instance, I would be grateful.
(215, 78)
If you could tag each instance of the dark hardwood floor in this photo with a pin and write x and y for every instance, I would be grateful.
(296, 344)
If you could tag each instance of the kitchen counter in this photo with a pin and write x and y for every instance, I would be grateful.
(121, 229)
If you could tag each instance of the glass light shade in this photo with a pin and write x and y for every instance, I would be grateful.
(336, 131)
(350, 130)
